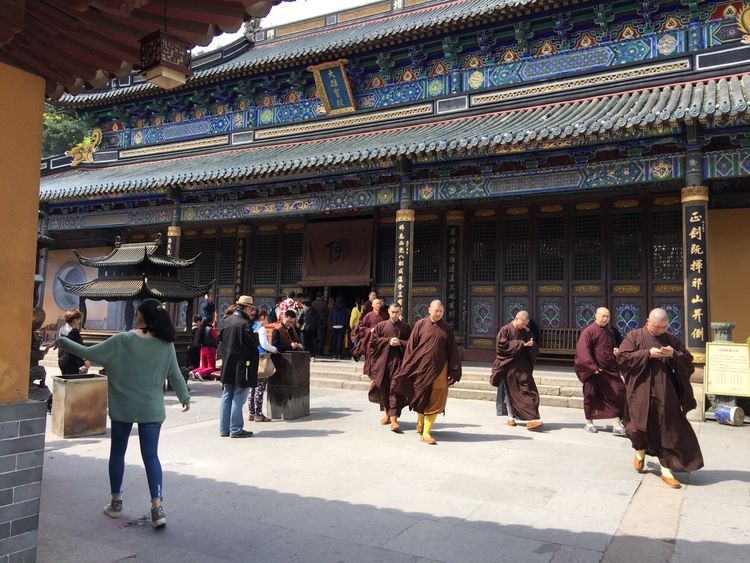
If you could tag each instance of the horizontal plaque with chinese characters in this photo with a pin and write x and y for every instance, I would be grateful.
(332, 86)
(727, 369)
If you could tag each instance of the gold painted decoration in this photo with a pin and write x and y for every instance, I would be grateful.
(386, 220)
(426, 217)
(228, 230)
(454, 215)
(626, 289)
(551, 208)
(587, 289)
(243, 230)
(482, 342)
(295, 227)
(549, 289)
(483, 289)
(268, 228)
(225, 292)
(626, 203)
(517, 210)
(516, 289)
(174, 231)
(587, 206)
(476, 79)
(429, 290)
(384, 290)
(694, 193)
(332, 85)
(485, 213)
(405, 215)
(664, 288)
(265, 291)
(84, 151)
(666, 201)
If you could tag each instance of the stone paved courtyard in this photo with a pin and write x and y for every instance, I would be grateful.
(336, 486)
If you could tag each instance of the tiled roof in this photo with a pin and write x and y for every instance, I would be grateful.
(336, 41)
(116, 290)
(517, 127)
(133, 254)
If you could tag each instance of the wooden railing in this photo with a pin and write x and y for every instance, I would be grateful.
(558, 342)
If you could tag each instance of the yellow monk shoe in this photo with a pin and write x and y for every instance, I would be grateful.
(385, 420)
(638, 464)
(511, 422)
(534, 425)
(671, 482)
(395, 427)
(429, 440)
(420, 428)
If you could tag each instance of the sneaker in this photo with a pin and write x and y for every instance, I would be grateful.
(158, 519)
(261, 418)
(590, 428)
(619, 431)
(198, 376)
(241, 434)
(114, 509)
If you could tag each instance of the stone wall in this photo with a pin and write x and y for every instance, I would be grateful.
(22, 429)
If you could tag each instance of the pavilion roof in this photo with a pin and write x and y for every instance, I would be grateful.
(74, 43)
(339, 40)
(133, 254)
(534, 127)
(163, 289)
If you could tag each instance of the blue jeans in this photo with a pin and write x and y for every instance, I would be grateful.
(337, 342)
(230, 411)
(148, 436)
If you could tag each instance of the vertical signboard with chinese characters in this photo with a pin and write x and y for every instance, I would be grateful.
(404, 238)
(454, 219)
(333, 88)
(694, 206)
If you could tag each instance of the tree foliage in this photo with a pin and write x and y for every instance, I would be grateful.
(62, 130)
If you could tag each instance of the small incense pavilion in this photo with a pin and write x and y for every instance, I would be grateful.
(137, 271)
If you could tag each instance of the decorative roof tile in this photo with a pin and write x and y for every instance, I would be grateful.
(134, 254)
(171, 290)
(589, 117)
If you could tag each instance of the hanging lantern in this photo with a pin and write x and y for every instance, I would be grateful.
(165, 60)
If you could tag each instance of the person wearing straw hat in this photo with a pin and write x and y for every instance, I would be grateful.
(239, 369)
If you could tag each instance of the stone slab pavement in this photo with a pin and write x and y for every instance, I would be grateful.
(337, 486)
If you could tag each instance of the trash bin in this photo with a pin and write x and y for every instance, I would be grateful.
(288, 391)
(79, 405)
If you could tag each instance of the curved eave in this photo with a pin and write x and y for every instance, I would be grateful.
(509, 130)
(118, 290)
(294, 51)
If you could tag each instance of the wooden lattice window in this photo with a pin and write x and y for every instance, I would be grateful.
(587, 248)
(426, 253)
(625, 262)
(551, 249)
(666, 245)
(188, 249)
(207, 261)
(483, 251)
(385, 257)
(516, 250)
(291, 258)
(227, 260)
(265, 259)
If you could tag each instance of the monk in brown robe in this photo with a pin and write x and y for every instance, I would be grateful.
(365, 329)
(431, 365)
(387, 345)
(516, 352)
(658, 395)
(596, 368)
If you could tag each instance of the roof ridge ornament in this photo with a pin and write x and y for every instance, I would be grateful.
(84, 151)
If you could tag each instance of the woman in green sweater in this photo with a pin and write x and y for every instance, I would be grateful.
(137, 363)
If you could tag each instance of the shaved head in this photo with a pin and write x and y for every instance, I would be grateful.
(521, 319)
(436, 310)
(658, 322)
(602, 316)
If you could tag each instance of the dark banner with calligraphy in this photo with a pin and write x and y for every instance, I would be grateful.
(404, 238)
(332, 86)
(338, 253)
(696, 292)
(452, 314)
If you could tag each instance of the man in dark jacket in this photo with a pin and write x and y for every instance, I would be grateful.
(239, 369)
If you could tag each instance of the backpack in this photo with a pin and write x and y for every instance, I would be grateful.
(207, 338)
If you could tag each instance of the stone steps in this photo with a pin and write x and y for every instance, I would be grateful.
(554, 390)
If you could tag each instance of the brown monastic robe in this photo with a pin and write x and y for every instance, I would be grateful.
(658, 397)
(514, 365)
(430, 353)
(368, 322)
(384, 363)
(603, 392)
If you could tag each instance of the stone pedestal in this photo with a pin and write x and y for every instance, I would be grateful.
(21, 454)
(79, 405)
(288, 392)
(723, 331)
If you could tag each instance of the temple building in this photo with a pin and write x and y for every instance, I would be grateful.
(499, 155)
